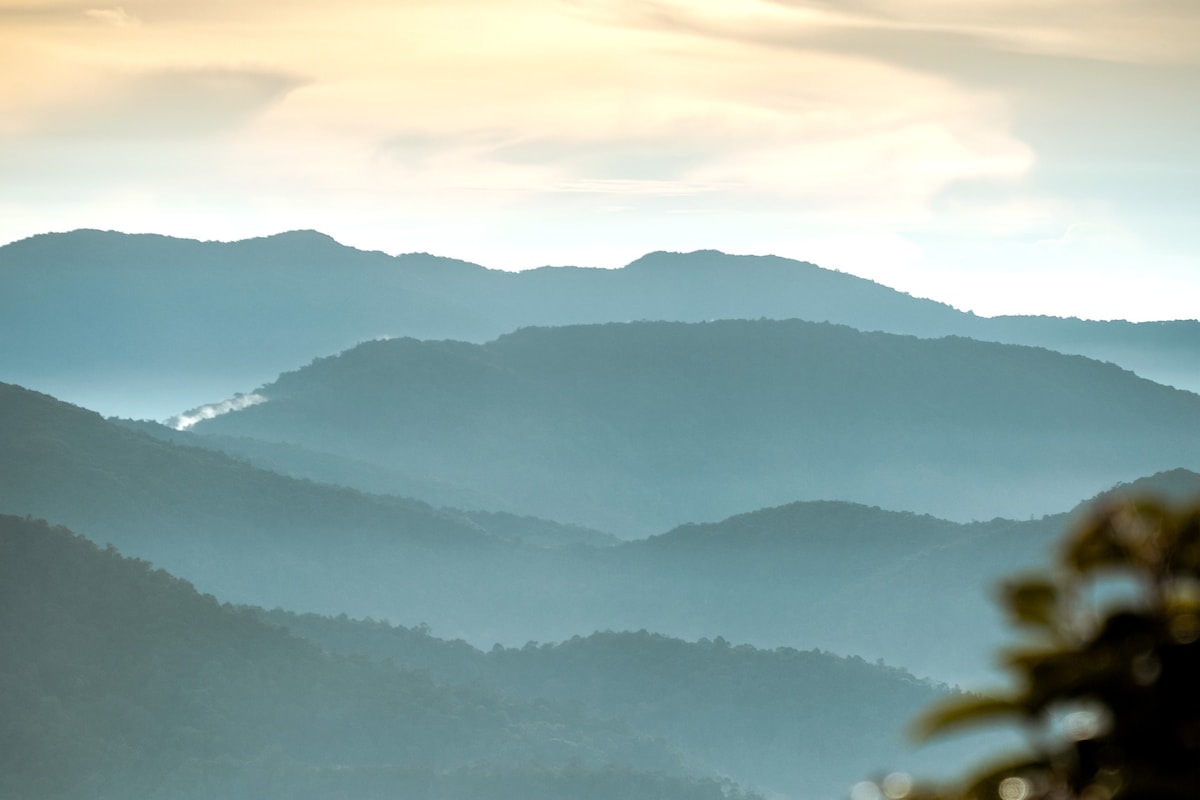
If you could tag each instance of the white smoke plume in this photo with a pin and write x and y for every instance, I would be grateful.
(239, 401)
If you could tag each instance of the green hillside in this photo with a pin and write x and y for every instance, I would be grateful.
(120, 681)
(804, 723)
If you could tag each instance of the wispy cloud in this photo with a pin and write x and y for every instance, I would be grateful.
(171, 103)
(116, 17)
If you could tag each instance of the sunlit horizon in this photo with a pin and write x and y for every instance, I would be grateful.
(1006, 158)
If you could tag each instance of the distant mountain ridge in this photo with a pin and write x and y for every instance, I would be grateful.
(632, 428)
(148, 325)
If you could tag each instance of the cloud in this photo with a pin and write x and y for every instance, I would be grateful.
(170, 104)
(419, 147)
(630, 188)
(614, 160)
(1116, 30)
(116, 17)
(1102, 96)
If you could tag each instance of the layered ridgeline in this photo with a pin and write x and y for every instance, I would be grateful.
(801, 723)
(633, 428)
(150, 325)
(913, 589)
(245, 533)
(119, 681)
(122, 681)
(908, 588)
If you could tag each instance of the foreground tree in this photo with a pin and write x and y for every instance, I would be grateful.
(1108, 688)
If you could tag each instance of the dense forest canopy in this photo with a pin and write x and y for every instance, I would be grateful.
(120, 680)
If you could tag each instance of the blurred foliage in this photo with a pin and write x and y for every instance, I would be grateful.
(1107, 686)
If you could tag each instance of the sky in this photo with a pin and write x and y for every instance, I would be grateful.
(1013, 156)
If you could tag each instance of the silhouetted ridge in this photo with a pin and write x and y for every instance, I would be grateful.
(131, 309)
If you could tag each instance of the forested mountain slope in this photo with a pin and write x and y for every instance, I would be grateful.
(805, 723)
(244, 532)
(118, 681)
(72, 464)
(633, 428)
(915, 590)
(838, 576)
(150, 325)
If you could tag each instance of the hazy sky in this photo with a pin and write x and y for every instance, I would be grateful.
(1015, 156)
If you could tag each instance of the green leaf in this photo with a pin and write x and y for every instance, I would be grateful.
(1033, 602)
(960, 713)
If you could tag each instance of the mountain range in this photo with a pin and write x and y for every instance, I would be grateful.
(463, 533)
(147, 326)
(841, 576)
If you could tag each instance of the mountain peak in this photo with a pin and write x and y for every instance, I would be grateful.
(302, 236)
(712, 259)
